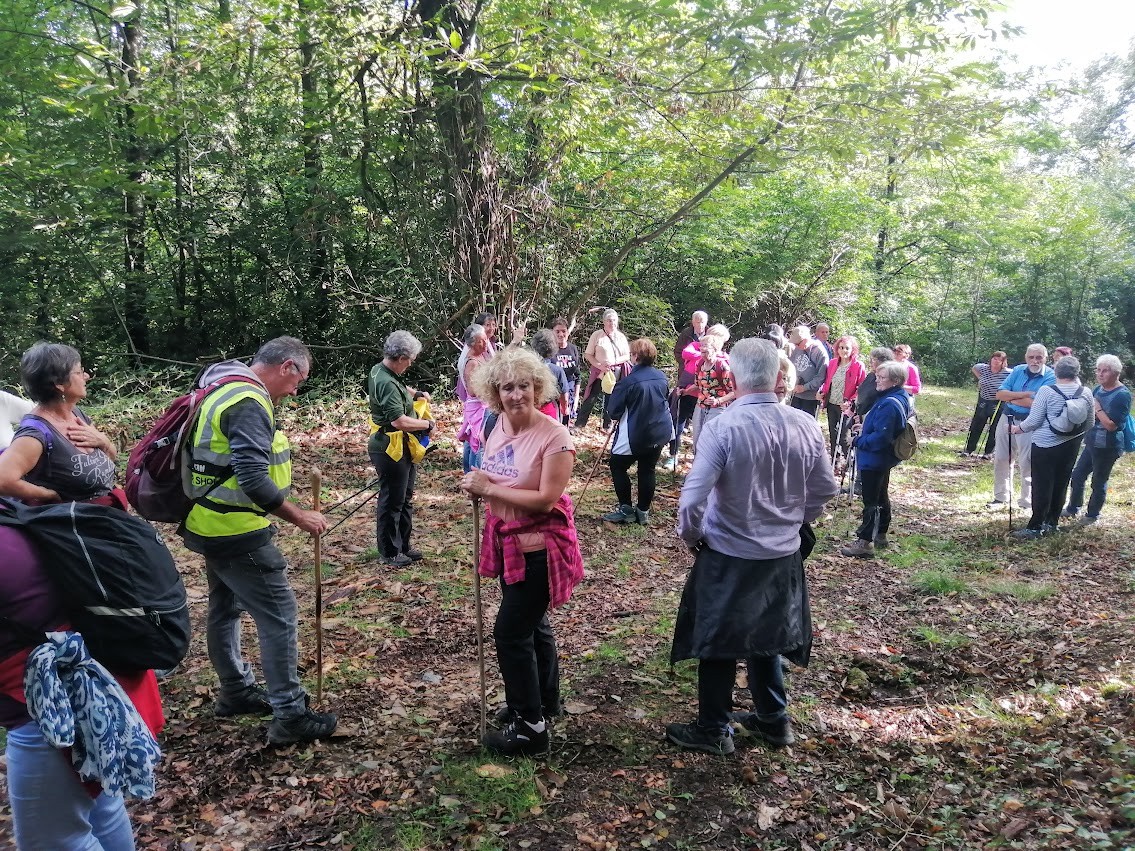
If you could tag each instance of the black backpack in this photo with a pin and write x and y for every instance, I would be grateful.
(117, 581)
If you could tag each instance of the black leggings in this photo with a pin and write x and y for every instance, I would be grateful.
(987, 409)
(526, 650)
(620, 467)
(1052, 470)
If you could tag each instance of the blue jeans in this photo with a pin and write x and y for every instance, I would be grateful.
(469, 458)
(257, 583)
(1097, 462)
(51, 809)
(715, 690)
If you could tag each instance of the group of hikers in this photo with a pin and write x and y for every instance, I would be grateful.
(762, 473)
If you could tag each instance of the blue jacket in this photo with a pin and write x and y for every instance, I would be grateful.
(884, 422)
(644, 397)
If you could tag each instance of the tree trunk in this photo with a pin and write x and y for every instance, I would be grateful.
(134, 238)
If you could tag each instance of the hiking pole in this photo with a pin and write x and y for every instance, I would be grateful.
(316, 487)
(595, 468)
(477, 602)
(1009, 437)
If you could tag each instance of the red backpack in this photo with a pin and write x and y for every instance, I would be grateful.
(153, 472)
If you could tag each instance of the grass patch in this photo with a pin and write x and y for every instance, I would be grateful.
(1026, 591)
(508, 797)
(938, 582)
(943, 640)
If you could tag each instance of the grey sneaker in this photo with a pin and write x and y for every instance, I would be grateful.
(776, 733)
(670, 464)
(1088, 520)
(695, 738)
(252, 700)
(621, 514)
(400, 560)
(642, 517)
(858, 549)
(302, 728)
(1069, 512)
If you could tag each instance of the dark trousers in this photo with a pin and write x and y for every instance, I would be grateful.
(682, 412)
(1097, 463)
(715, 690)
(839, 427)
(584, 412)
(620, 466)
(808, 406)
(987, 411)
(876, 504)
(526, 650)
(1052, 470)
(394, 519)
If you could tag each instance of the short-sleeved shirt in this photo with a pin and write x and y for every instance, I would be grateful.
(567, 359)
(388, 399)
(714, 380)
(12, 410)
(989, 381)
(1020, 379)
(75, 474)
(517, 461)
(560, 375)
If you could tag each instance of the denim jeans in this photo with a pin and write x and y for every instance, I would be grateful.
(526, 650)
(469, 458)
(715, 690)
(257, 583)
(51, 809)
(1097, 463)
(394, 515)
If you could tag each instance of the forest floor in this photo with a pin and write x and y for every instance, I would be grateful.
(965, 691)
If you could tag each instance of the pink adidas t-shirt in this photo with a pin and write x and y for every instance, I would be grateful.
(516, 461)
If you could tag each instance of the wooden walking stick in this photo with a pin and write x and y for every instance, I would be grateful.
(316, 488)
(480, 620)
(595, 467)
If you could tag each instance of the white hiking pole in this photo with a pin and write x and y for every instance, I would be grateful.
(316, 487)
(480, 619)
(1009, 437)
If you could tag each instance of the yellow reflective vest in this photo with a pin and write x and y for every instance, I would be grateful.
(225, 509)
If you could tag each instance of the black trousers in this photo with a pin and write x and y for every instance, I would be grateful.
(1052, 470)
(394, 516)
(526, 650)
(986, 410)
(716, 678)
(683, 414)
(876, 504)
(588, 403)
(647, 479)
(808, 406)
(836, 419)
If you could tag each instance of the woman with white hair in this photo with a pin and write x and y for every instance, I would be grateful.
(608, 352)
(875, 452)
(713, 379)
(1103, 444)
(1058, 418)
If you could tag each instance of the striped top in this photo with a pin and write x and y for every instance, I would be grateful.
(1047, 405)
(989, 382)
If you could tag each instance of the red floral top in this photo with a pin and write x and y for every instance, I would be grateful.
(714, 380)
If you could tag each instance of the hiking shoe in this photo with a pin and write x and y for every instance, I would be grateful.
(251, 700)
(506, 714)
(1088, 520)
(670, 464)
(519, 738)
(1027, 534)
(988, 456)
(995, 503)
(621, 514)
(858, 549)
(400, 560)
(695, 738)
(642, 517)
(776, 733)
(302, 728)
(413, 554)
(881, 542)
(1069, 512)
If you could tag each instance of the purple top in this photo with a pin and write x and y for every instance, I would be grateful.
(26, 595)
(761, 471)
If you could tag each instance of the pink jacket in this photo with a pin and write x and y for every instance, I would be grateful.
(855, 375)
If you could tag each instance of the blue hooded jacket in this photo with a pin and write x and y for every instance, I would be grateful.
(885, 421)
(644, 397)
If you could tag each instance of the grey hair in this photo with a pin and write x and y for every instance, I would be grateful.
(882, 354)
(700, 313)
(820, 325)
(755, 364)
(1037, 347)
(897, 372)
(610, 313)
(471, 333)
(544, 343)
(401, 344)
(1067, 367)
(719, 331)
(1110, 362)
(283, 349)
(44, 366)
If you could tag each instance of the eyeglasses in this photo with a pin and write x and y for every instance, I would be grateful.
(299, 372)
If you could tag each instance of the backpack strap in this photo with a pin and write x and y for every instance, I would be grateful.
(33, 422)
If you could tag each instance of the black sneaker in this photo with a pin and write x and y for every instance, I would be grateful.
(506, 715)
(399, 560)
(695, 738)
(302, 728)
(517, 739)
(776, 733)
(252, 700)
(413, 555)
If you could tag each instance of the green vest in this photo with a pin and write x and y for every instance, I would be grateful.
(226, 510)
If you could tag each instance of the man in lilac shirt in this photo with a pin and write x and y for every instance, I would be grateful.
(761, 475)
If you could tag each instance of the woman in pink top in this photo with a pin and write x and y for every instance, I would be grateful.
(845, 374)
(529, 541)
(913, 384)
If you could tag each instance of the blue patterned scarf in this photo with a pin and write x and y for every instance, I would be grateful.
(79, 705)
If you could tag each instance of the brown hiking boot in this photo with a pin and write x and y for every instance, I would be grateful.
(858, 549)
